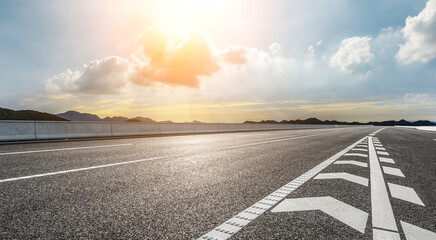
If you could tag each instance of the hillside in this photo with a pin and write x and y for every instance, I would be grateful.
(77, 116)
(115, 119)
(8, 114)
(402, 122)
(308, 121)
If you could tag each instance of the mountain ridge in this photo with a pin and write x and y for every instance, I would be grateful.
(9, 114)
(313, 120)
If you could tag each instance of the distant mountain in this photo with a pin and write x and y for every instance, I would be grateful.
(141, 119)
(115, 119)
(167, 121)
(8, 114)
(402, 122)
(307, 121)
(77, 116)
(133, 120)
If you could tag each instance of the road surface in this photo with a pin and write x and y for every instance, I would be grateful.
(344, 183)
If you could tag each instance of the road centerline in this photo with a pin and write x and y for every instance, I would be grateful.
(381, 209)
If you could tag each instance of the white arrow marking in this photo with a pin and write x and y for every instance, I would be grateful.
(413, 232)
(404, 193)
(393, 171)
(352, 162)
(236, 223)
(343, 212)
(382, 153)
(346, 176)
(387, 160)
(356, 154)
(359, 149)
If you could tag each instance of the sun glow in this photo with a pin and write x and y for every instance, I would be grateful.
(185, 14)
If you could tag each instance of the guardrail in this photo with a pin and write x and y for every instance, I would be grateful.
(33, 130)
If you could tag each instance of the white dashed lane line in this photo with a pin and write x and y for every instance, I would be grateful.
(65, 149)
(130, 162)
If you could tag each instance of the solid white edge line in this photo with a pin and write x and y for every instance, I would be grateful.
(236, 223)
(65, 149)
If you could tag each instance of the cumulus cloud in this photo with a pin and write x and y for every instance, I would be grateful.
(104, 76)
(177, 60)
(167, 57)
(234, 55)
(420, 36)
(352, 53)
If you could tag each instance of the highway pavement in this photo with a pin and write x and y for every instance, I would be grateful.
(343, 183)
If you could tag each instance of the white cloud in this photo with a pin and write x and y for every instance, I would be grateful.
(352, 53)
(104, 76)
(312, 48)
(420, 35)
(62, 81)
(234, 55)
(418, 98)
(275, 48)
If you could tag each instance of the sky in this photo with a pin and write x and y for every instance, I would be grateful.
(221, 61)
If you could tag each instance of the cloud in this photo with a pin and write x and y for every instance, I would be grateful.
(418, 98)
(104, 76)
(234, 55)
(175, 59)
(420, 36)
(275, 48)
(352, 53)
(167, 57)
(312, 48)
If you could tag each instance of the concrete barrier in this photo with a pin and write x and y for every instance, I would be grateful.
(170, 128)
(31, 130)
(50, 130)
(17, 130)
(207, 127)
(130, 129)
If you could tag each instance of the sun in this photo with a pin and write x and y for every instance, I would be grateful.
(184, 14)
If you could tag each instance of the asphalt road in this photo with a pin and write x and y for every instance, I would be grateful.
(216, 186)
